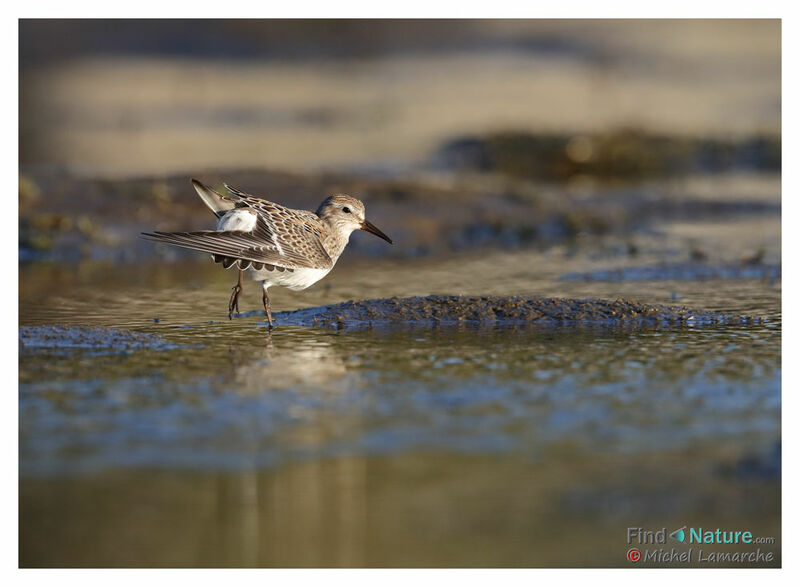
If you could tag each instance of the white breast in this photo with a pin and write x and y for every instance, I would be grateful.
(300, 278)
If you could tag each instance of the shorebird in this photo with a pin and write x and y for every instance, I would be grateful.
(278, 245)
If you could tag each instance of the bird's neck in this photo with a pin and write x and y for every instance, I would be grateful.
(334, 240)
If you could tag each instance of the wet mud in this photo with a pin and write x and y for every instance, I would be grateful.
(86, 337)
(67, 218)
(500, 311)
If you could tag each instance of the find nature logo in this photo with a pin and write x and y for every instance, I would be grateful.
(679, 534)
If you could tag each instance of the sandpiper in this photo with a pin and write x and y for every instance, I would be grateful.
(278, 245)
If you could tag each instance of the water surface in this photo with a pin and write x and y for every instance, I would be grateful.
(388, 447)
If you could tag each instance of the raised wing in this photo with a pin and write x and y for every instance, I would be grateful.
(297, 234)
(218, 203)
(256, 202)
(282, 237)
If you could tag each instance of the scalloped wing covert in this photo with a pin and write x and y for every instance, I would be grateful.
(282, 237)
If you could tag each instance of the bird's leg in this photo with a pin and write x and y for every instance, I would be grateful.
(265, 299)
(233, 304)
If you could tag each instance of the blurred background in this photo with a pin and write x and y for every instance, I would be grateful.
(394, 111)
(134, 97)
(576, 158)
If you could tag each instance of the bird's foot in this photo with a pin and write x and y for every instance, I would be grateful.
(233, 304)
(265, 299)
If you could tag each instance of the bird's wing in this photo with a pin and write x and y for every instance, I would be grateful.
(217, 202)
(243, 198)
(281, 237)
(296, 233)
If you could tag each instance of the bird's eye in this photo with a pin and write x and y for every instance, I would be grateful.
(346, 210)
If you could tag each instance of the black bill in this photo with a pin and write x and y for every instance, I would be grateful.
(369, 227)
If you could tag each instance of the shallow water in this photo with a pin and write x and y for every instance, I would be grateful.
(386, 447)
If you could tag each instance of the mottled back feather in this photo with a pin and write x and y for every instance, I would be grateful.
(282, 237)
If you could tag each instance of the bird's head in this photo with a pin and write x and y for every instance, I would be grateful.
(347, 214)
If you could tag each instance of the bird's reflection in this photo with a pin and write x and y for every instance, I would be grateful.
(289, 362)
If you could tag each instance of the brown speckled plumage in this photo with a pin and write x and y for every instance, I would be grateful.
(282, 237)
(279, 245)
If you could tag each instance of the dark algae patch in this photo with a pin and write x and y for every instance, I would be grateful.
(501, 310)
(621, 155)
(88, 337)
